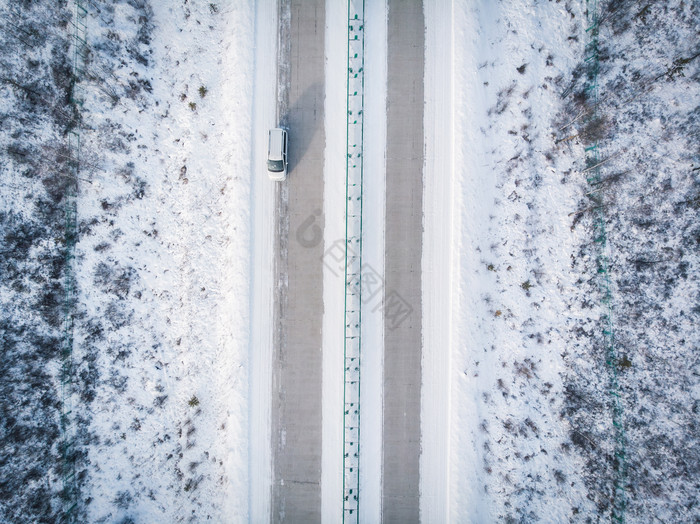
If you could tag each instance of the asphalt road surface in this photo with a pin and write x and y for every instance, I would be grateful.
(296, 387)
(402, 255)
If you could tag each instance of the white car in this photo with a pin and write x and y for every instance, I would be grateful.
(277, 154)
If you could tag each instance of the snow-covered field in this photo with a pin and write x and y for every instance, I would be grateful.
(162, 259)
(520, 322)
(511, 281)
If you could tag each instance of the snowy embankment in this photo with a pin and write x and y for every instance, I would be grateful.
(506, 250)
(515, 316)
(163, 261)
(512, 240)
(512, 246)
(507, 256)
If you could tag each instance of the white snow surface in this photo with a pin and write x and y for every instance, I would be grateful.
(374, 167)
(262, 237)
(165, 237)
(438, 260)
(495, 224)
(333, 271)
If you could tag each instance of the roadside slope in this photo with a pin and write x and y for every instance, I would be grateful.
(163, 257)
(513, 288)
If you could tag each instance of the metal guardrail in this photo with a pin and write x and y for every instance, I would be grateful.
(353, 260)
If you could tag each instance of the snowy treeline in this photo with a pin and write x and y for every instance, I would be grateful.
(647, 124)
(35, 171)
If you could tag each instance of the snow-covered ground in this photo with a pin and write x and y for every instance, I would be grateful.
(524, 431)
(36, 71)
(511, 279)
(163, 261)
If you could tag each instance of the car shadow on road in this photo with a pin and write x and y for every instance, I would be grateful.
(302, 119)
